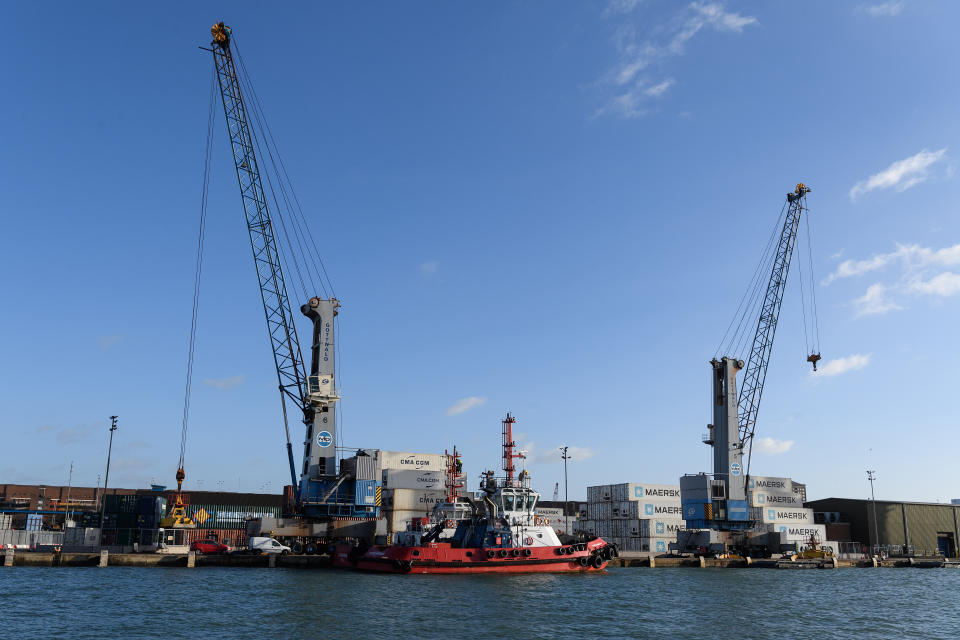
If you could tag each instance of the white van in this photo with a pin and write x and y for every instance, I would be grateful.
(267, 545)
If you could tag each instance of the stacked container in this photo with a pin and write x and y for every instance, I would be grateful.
(413, 483)
(637, 516)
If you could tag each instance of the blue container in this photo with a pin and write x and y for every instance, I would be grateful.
(365, 493)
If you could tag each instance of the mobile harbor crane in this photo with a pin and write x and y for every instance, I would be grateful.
(715, 507)
(326, 502)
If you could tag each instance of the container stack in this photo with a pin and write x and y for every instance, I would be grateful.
(776, 505)
(412, 484)
(635, 516)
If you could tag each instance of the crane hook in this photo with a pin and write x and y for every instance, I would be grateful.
(812, 358)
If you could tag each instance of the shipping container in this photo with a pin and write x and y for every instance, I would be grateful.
(407, 460)
(599, 493)
(800, 532)
(661, 528)
(412, 499)
(770, 485)
(365, 493)
(775, 515)
(599, 510)
(222, 516)
(646, 492)
(760, 498)
(414, 479)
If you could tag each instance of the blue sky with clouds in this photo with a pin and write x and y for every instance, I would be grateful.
(550, 208)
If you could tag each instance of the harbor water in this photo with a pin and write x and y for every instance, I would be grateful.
(81, 603)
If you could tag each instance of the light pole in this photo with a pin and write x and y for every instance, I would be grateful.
(566, 488)
(873, 499)
(106, 478)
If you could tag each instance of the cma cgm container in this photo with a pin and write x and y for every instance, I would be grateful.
(413, 499)
(407, 460)
(414, 479)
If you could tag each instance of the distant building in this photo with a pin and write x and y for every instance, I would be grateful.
(926, 526)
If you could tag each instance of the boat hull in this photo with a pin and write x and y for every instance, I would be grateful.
(441, 558)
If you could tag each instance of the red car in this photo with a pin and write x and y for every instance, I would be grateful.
(209, 547)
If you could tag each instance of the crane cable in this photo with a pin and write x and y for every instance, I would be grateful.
(199, 268)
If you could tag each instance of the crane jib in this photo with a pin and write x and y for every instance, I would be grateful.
(751, 389)
(285, 345)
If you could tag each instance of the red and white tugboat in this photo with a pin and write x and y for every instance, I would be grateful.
(500, 534)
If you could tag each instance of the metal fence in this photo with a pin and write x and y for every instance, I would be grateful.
(29, 539)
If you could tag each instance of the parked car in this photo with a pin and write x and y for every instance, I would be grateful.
(210, 547)
(259, 544)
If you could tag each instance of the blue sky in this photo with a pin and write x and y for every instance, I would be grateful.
(550, 208)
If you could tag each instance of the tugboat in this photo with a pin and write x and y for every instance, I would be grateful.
(498, 534)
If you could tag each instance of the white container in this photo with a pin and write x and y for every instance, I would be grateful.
(549, 512)
(412, 499)
(800, 532)
(657, 544)
(776, 515)
(661, 528)
(414, 479)
(661, 511)
(645, 492)
(415, 461)
(760, 498)
(770, 485)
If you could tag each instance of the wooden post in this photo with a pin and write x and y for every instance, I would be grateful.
(104, 558)
(191, 559)
(8, 557)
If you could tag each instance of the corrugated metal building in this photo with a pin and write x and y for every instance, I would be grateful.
(925, 526)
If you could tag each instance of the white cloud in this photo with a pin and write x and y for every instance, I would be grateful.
(771, 446)
(620, 6)
(105, 342)
(884, 9)
(875, 301)
(428, 268)
(464, 404)
(921, 274)
(901, 175)
(842, 365)
(943, 285)
(573, 453)
(665, 41)
(658, 90)
(225, 383)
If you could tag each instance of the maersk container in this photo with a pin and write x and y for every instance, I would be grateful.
(656, 528)
(657, 544)
(648, 492)
(800, 532)
(414, 479)
(759, 498)
(771, 485)
(776, 515)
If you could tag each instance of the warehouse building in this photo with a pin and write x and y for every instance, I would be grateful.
(909, 528)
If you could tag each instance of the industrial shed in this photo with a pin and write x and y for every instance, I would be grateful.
(926, 526)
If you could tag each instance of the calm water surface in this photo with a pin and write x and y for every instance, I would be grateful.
(623, 603)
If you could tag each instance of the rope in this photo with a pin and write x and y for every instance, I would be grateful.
(199, 269)
(813, 288)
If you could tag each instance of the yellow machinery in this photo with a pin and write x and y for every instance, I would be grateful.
(814, 549)
(178, 518)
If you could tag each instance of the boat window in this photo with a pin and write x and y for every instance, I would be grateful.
(521, 503)
(533, 502)
(508, 502)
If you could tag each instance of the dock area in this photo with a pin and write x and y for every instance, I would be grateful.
(628, 559)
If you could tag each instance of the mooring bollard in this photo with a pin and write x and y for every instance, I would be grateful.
(191, 559)
(8, 557)
(703, 562)
(653, 562)
(104, 558)
(272, 560)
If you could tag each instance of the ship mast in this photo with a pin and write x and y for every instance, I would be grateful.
(508, 450)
